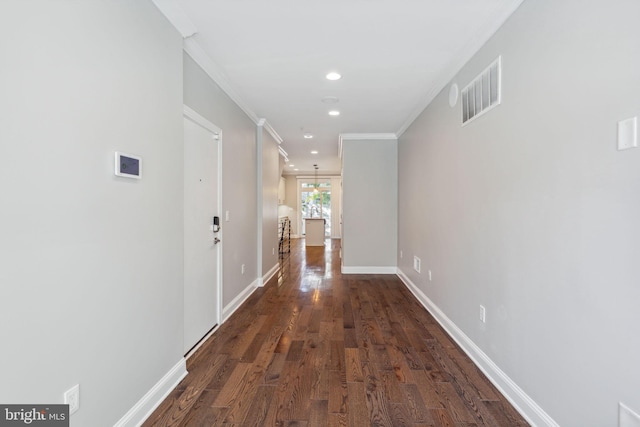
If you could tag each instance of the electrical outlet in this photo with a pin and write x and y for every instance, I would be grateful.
(242, 269)
(400, 254)
(273, 251)
(416, 264)
(483, 314)
(72, 398)
(429, 275)
(226, 216)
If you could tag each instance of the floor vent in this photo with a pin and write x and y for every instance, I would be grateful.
(483, 93)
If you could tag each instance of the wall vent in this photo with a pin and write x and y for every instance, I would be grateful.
(483, 93)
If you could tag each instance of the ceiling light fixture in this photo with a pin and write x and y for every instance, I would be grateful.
(308, 136)
(291, 165)
(315, 186)
(314, 152)
(333, 76)
(334, 113)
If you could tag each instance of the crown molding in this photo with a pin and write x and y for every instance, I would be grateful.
(177, 17)
(283, 153)
(463, 56)
(266, 125)
(363, 136)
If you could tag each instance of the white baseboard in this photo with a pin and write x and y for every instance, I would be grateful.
(230, 308)
(526, 406)
(368, 270)
(154, 397)
(272, 272)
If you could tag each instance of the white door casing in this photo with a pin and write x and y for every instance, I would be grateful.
(202, 201)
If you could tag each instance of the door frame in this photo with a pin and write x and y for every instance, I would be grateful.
(201, 121)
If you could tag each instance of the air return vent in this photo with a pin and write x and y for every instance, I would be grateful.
(483, 93)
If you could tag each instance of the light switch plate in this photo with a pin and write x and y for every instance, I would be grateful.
(628, 133)
(72, 398)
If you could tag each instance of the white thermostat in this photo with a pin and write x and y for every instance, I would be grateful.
(128, 165)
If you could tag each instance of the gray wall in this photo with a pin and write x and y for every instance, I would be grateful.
(370, 203)
(239, 191)
(91, 271)
(269, 217)
(531, 211)
(291, 208)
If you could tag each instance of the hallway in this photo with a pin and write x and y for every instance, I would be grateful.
(316, 348)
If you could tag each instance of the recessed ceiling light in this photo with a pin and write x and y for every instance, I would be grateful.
(308, 136)
(334, 113)
(314, 152)
(333, 76)
(296, 169)
(330, 100)
(291, 165)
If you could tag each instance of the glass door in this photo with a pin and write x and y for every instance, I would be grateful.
(316, 203)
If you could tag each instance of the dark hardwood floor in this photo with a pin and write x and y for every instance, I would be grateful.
(316, 348)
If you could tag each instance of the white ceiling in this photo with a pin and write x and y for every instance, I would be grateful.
(394, 57)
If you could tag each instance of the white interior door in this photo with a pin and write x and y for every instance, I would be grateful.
(202, 251)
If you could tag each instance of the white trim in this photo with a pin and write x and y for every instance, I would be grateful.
(283, 154)
(230, 308)
(265, 124)
(524, 404)
(195, 117)
(154, 397)
(272, 272)
(193, 49)
(484, 33)
(259, 200)
(177, 17)
(368, 270)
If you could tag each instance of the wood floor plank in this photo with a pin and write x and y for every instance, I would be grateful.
(400, 415)
(338, 420)
(442, 418)
(338, 394)
(418, 411)
(233, 386)
(337, 356)
(357, 411)
(202, 413)
(274, 369)
(319, 414)
(259, 407)
(353, 365)
(314, 348)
